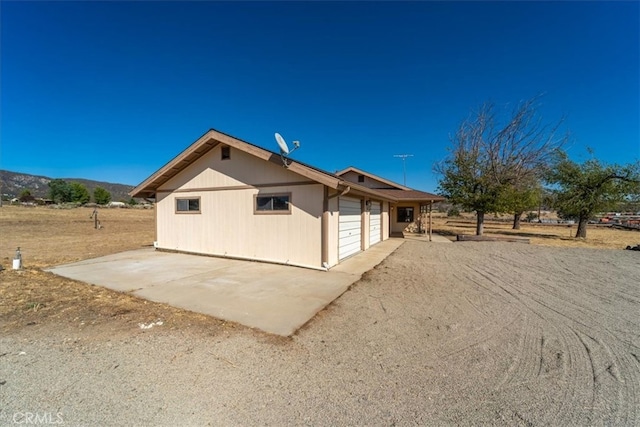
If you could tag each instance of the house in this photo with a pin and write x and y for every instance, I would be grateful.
(408, 212)
(226, 197)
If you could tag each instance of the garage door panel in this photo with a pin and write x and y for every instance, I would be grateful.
(350, 227)
(350, 241)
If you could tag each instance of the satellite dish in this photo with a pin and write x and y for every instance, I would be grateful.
(284, 149)
(283, 145)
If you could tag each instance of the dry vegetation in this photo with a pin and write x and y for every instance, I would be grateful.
(49, 237)
(539, 234)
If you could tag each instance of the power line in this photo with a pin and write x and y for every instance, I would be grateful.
(404, 169)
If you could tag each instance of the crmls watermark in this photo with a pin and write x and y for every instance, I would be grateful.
(37, 418)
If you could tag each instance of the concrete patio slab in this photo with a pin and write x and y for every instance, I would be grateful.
(277, 299)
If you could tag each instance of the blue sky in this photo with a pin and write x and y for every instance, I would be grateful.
(113, 90)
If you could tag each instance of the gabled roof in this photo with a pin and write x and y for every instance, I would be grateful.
(213, 138)
(399, 192)
(372, 176)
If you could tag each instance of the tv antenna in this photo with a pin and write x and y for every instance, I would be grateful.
(404, 169)
(284, 149)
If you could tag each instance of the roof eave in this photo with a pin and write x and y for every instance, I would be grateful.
(368, 191)
(373, 176)
(208, 141)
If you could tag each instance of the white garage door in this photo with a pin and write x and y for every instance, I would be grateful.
(350, 227)
(375, 222)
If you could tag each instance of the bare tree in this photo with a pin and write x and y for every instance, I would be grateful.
(488, 161)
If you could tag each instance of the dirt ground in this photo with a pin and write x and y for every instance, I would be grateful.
(438, 334)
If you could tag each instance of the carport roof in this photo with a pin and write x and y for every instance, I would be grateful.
(212, 138)
(410, 195)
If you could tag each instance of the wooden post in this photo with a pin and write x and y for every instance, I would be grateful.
(430, 223)
(94, 215)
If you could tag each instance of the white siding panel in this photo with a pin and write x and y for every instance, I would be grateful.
(375, 222)
(228, 226)
(209, 171)
(350, 227)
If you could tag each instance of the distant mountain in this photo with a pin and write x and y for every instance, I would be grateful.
(13, 183)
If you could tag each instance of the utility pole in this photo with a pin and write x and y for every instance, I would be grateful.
(404, 169)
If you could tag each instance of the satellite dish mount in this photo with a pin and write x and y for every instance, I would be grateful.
(284, 149)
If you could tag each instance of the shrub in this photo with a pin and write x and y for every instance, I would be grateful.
(453, 211)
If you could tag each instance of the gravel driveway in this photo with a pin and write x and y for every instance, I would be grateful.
(468, 333)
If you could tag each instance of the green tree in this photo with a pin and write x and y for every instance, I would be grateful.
(520, 197)
(79, 193)
(59, 191)
(101, 196)
(582, 190)
(132, 202)
(488, 161)
(26, 196)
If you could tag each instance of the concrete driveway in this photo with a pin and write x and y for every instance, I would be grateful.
(277, 299)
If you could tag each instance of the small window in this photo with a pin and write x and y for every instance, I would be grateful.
(225, 152)
(405, 214)
(188, 205)
(273, 203)
(360, 178)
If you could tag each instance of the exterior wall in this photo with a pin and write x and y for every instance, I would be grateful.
(385, 220)
(227, 224)
(366, 216)
(352, 176)
(399, 227)
(333, 236)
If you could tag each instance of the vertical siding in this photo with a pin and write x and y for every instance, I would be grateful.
(385, 220)
(209, 171)
(366, 215)
(227, 224)
(333, 241)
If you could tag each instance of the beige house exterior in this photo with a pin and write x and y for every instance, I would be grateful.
(226, 197)
(410, 210)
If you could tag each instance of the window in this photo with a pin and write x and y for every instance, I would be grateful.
(360, 178)
(272, 203)
(188, 205)
(225, 152)
(405, 214)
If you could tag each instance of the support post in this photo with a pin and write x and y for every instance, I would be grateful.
(430, 220)
(324, 226)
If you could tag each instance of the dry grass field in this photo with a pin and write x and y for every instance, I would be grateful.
(54, 236)
(539, 234)
(49, 237)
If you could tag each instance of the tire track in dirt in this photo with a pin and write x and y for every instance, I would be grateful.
(578, 329)
(590, 359)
